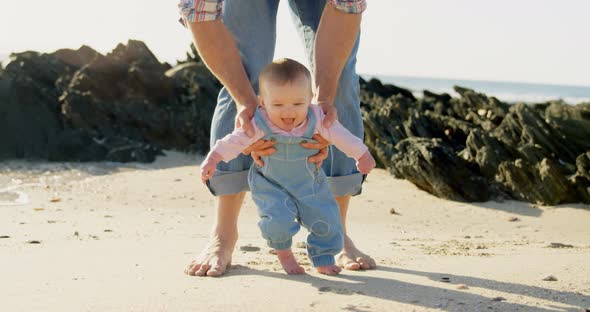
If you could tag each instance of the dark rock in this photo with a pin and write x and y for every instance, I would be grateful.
(516, 151)
(541, 183)
(127, 106)
(478, 107)
(486, 151)
(387, 90)
(428, 124)
(82, 105)
(535, 139)
(76, 58)
(583, 165)
(580, 181)
(573, 124)
(384, 120)
(127, 93)
(29, 109)
(431, 96)
(435, 168)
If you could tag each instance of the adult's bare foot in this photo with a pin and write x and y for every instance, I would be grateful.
(214, 259)
(351, 258)
(289, 262)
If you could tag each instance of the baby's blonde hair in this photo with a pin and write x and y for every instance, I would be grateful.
(281, 71)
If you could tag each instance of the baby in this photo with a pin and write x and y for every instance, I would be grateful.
(288, 190)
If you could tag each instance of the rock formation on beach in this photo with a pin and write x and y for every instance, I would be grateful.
(80, 105)
(476, 148)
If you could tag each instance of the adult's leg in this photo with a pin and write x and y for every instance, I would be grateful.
(345, 180)
(351, 258)
(253, 25)
(216, 256)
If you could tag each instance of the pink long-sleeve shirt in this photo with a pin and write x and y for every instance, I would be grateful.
(234, 143)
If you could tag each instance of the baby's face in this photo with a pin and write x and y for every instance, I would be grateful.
(287, 104)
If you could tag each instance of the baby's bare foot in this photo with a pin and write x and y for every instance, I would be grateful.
(351, 258)
(289, 262)
(214, 259)
(329, 269)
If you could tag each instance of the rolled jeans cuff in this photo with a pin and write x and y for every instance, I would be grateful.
(234, 182)
(346, 185)
(322, 260)
(228, 182)
(280, 245)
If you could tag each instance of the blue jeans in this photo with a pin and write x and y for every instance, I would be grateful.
(253, 26)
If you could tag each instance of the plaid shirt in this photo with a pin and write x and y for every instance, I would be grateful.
(210, 10)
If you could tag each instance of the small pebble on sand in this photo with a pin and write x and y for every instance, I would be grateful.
(550, 278)
(560, 245)
(513, 219)
(462, 286)
(249, 248)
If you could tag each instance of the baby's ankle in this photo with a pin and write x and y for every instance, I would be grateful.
(288, 262)
(329, 269)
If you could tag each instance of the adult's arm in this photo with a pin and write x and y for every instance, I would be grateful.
(334, 42)
(218, 50)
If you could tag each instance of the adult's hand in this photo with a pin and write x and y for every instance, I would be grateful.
(322, 146)
(260, 148)
(330, 111)
(243, 117)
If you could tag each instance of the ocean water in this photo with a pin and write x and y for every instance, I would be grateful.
(510, 92)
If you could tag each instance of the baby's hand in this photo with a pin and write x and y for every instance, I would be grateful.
(208, 168)
(365, 163)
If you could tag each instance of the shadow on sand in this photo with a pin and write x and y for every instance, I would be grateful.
(353, 283)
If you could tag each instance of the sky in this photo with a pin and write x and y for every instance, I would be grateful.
(540, 41)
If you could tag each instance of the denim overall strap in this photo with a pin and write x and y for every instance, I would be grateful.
(310, 124)
(261, 123)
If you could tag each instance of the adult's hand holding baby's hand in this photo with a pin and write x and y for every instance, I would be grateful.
(365, 163)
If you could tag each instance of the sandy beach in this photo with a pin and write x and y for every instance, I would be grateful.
(117, 237)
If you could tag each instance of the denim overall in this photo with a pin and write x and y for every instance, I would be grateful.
(252, 24)
(290, 191)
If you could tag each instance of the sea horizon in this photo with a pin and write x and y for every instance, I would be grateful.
(506, 91)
